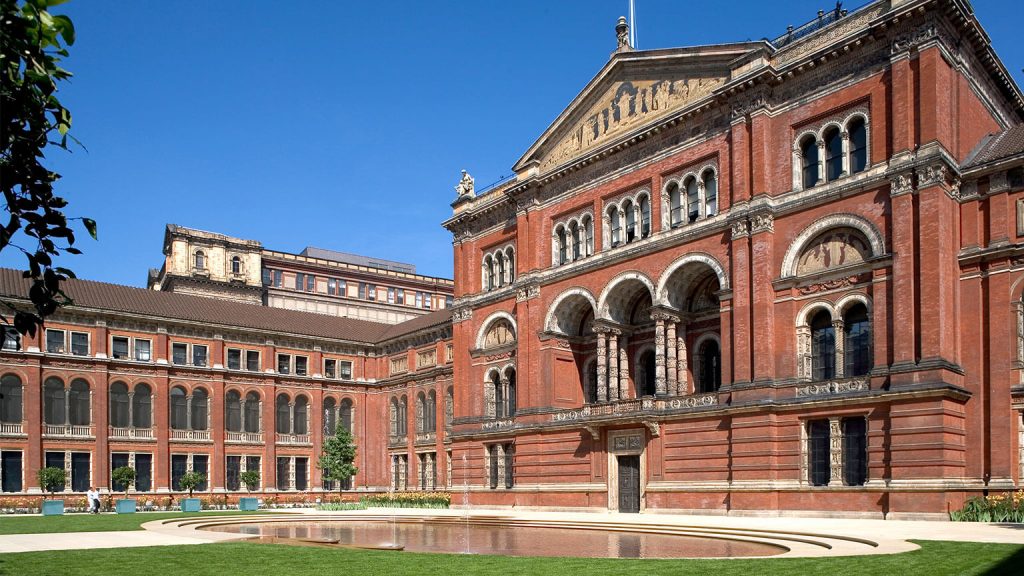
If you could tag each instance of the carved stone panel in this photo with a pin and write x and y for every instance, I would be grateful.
(835, 248)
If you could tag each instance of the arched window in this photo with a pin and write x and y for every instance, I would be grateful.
(823, 347)
(588, 235)
(10, 399)
(200, 260)
(78, 403)
(590, 382)
(430, 414)
(301, 425)
(345, 415)
(421, 409)
(675, 205)
(857, 341)
(692, 200)
(236, 265)
(233, 411)
(119, 405)
(574, 235)
(403, 416)
(499, 395)
(142, 406)
(710, 377)
(809, 161)
(710, 194)
(833, 154)
(449, 407)
(510, 255)
(394, 416)
(252, 412)
(499, 258)
(200, 407)
(630, 212)
(616, 225)
(179, 408)
(488, 273)
(645, 216)
(646, 372)
(858, 132)
(562, 247)
(282, 415)
(54, 402)
(510, 392)
(330, 417)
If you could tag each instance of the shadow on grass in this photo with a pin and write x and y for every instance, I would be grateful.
(1012, 565)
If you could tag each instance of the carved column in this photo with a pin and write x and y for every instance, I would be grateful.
(701, 208)
(803, 351)
(291, 417)
(241, 419)
(623, 370)
(131, 420)
(672, 378)
(835, 452)
(840, 359)
(503, 411)
(682, 386)
(821, 162)
(613, 365)
(188, 415)
(489, 398)
(500, 455)
(659, 355)
(846, 152)
(602, 365)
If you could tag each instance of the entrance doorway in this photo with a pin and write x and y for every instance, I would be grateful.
(629, 483)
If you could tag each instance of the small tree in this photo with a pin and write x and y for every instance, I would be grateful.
(337, 460)
(125, 476)
(50, 479)
(251, 479)
(192, 480)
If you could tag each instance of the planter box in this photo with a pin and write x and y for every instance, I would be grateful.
(53, 507)
(248, 504)
(191, 505)
(126, 506)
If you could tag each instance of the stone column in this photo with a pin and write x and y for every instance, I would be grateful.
(840, 358)
(291, 417)
(499, 453)
(623, 370)
(682, 386)
(821, 162)
(672, 377)
(659, 355)
(846, 152)
(504, 411)
(701, 200)
(131, 401)
(188, 415)
(613, 365)
(602, 366)
(835, 452)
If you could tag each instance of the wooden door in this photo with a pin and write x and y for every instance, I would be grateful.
(629, 483)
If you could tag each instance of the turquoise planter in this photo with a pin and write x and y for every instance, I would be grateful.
(53, 507)
(125, 506)
(248, 504)
(191, 505)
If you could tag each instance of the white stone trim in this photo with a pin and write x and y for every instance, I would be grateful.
(549, 320)
(486, 324)
(602, 307)
(845, 220)
(698, 257)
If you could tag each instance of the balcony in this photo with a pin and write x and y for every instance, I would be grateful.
(131, 433)
(67, 431)
(244, 437)
(297, 439)
(190, 435)
(11, 429)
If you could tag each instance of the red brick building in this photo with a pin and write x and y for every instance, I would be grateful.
(767, 277)
(758, 277)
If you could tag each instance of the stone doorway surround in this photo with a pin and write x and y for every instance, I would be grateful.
(625, 443)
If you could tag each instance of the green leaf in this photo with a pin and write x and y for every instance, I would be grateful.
(67, 29)
(90, 225)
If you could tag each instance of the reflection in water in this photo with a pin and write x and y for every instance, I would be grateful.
(419, 536)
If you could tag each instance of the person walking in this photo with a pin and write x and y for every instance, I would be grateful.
(94, 500)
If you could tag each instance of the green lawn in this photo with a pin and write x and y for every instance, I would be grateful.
(91, 522)
(935, 558)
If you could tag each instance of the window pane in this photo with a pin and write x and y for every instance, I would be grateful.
(300, 365)
(809, 157)
(78, 403)
(54, 399)
(301, 465)
(300, 281)
(80, 471)
(857, 346)
(198, 355)
(55, 341)
(858, 146)
(252, 412)
(200, 404)
(55, 460)
(692, 201)
(266, 276)
(10, 469)
(119, 347)
(234, 359)
(200, 464)
(823, 347)
(179, 466)
(329, 368)
(252, 360)
(710, 194)
(233, 412)
(10, 399)
(283, 415)
(119, 405)
(232, 472)
(12, 340)
(284, 363)
(855, 457)
(345, 370)
(143, 472)
(310, 283)
(142, 350)
(283, 466)
(79, 344)
(278, 279)
(818, 471)
(117, 461)
(179, 354)
(179, 409)
(142, 407)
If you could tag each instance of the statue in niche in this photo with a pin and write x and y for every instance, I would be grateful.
(835, 248)
(465, 186)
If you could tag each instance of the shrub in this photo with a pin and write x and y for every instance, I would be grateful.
(125, 476)
(191, 480)
(1007, 507)
(50, 479)
(251, 479)
(335, 506)
(409, 500)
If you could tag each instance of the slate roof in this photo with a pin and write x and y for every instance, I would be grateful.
(996, 146)
(170, 306)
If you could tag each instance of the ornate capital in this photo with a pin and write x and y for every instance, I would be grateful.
(462, 314)
(905, 42)
(763, 222)
(902, 183)
(528, 292)
(740, 229)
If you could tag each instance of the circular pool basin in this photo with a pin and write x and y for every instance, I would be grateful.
(469, 537)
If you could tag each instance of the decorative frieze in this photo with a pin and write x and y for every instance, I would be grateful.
(828, 285)
(830, 388)
(498, 424)
(763, 222)
(902, 183)
(529, 292)
(740, 229)
(462, 314)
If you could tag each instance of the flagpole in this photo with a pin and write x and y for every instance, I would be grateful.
(632, 25)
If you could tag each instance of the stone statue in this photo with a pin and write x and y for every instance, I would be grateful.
(465, 187)
(622, 35)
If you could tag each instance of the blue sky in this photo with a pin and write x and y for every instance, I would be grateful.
(338, 124)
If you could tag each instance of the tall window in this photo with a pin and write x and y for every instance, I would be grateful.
(283, 466)
(403, 416)
(142, 406)
(233, 411)
(590, 383)
(710, 377)
(10, 399)
(179, 408)
(574, 235)
(710, 194)
(692, 200)
(282, 413)
(500, 259)
(54, 402)
(430, 412)
(616, 225)
(200, 406)
(823, 347)
(645, 216)
(489, 272)
(10, 471)
(809, 160)
(562, 245)
(345, 415)
(588, 233)
(143, 472)
(857, 341)
(200, 260)
(236, 265)
(119, 405)
(833, 154)
(675, 205)
(855, 451)
(252, 412)
(301, 424)
(78, 403)
(233, 472)
(630, 213)
(646, 373)
(818, 469)
(330, 416)
(858, 145)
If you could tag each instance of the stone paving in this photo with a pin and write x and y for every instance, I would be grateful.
(890, 535)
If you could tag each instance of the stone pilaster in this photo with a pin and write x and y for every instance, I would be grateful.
(613, 365)
(623, 370)
(835, 452)
(671, 376)
(840, 360)
(682, 386)
(659, 355)
(602, 365)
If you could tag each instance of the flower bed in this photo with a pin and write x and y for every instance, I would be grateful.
(1006, 507)
(409, 500)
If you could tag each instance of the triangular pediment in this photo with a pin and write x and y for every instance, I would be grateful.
(632, 91)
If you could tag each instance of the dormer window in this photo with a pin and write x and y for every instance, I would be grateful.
(200, 260)
(236, 265)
